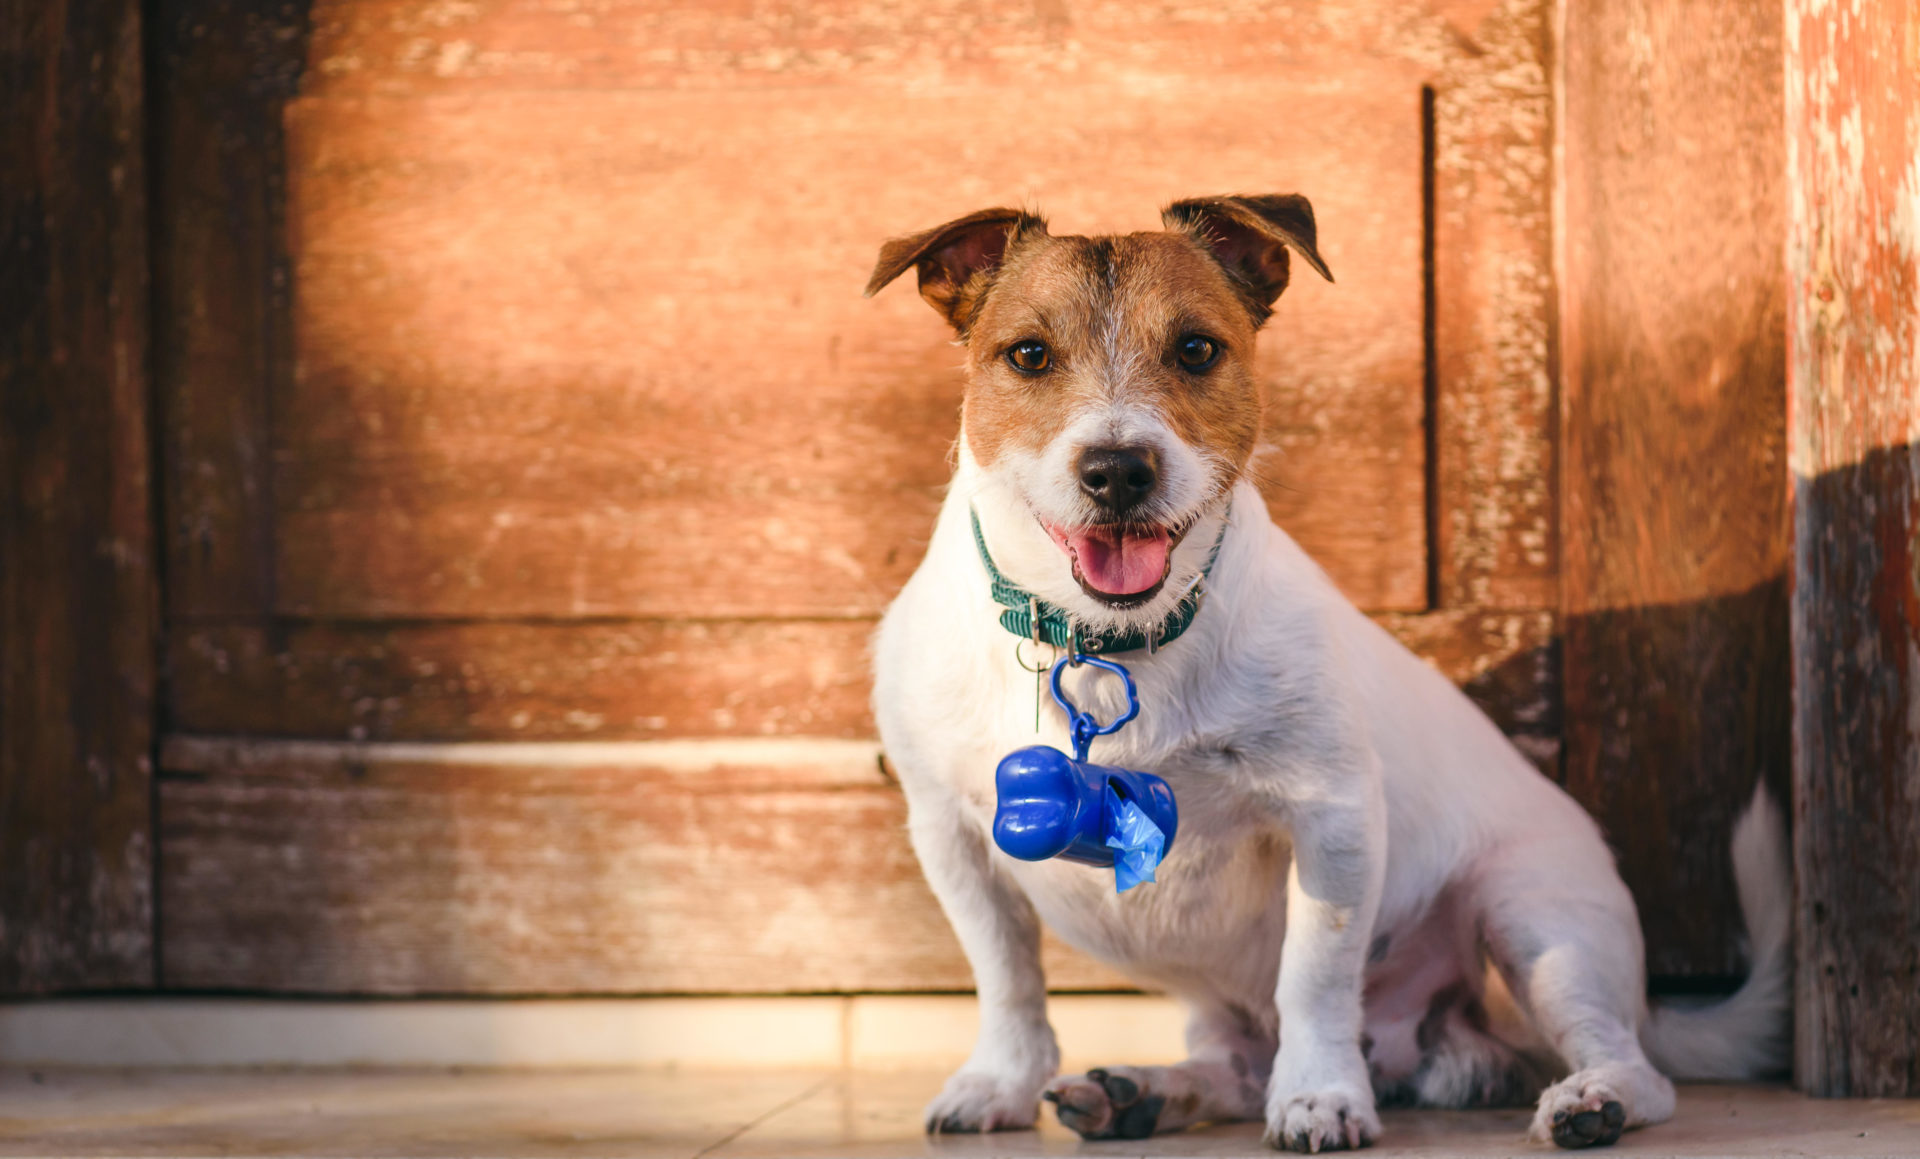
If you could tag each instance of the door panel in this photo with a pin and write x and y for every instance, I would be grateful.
(519, 389)
(604, 353)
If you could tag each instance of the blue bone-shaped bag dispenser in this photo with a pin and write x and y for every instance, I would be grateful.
(1053, 805)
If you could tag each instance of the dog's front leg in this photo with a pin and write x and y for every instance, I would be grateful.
(1015, 1053)
(1320, 1097)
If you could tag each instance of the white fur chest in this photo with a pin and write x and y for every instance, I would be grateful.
(954, 705)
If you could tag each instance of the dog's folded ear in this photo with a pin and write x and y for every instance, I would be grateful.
(957, 260)
(1250, 236)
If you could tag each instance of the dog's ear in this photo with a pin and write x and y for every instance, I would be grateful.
(957, 260)
(1250, 236)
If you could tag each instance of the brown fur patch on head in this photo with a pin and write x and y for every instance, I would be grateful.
(1112, 312)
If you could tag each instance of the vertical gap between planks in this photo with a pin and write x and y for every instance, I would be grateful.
(1429, 329)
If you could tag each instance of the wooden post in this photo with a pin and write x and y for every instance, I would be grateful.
(77, 601)
(1853, 163)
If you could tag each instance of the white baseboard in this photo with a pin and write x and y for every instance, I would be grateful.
(878, 1031)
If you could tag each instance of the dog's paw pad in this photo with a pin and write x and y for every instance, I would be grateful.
(1580, 1111)
(1590, 1128)
(1104, 1105)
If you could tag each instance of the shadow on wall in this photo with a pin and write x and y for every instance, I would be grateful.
(1664, 761)
(1673, 712)
(1856, 626)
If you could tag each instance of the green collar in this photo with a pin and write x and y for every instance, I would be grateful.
(1032, 618)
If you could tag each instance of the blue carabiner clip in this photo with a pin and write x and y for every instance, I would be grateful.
(1081, 726)
(1052, 805)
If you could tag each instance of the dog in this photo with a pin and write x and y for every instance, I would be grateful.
(1373, 897)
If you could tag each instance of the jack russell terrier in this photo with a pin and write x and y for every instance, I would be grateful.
(1374, 898)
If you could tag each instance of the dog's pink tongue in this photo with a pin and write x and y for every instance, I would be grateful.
(1118, 563)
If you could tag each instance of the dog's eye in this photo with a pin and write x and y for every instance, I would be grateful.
(1030, 357)
(1197, 352)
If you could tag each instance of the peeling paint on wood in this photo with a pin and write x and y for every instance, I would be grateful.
(1853, 255)
(1495, 529)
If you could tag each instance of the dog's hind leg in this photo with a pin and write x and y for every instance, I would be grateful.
(1224, 1078)
(1563, 930)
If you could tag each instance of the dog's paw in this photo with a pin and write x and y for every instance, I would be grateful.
(1579, 1112)
(1105, 1104)
(972, 1102)
(1331, 1119)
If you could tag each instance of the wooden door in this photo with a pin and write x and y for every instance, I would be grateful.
(535, 472)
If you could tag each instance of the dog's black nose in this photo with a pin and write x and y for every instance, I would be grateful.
(1119, 478)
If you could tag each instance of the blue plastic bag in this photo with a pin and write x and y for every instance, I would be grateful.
(1138, 843)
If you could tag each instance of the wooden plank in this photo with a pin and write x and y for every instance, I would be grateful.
(644, 680)
(364, 47)
(332, 869)
(222, 69)
(1853, 259)
(523, 681)
(433, 867)
(77, 596)
(1494, 526)
(519, 395)
(1673, 505)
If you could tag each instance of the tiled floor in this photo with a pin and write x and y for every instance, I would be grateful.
(739, 1113)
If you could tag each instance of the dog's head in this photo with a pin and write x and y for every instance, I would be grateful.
(1110, 379)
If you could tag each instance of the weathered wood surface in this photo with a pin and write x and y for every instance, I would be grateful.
(395, 437)
(578, 427)
(1493, 521)
(1673, 505)
(1490, 411)
(222, 348)
(406, 46)
(482, 278)
(77, 612)
(643, 680)
(1853, 164)
(524, 388)
(700, 865)
(323, 869)
(589, 680)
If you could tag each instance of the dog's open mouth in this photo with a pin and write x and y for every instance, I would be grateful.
(1121, 564)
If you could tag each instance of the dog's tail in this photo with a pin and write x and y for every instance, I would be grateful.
(1749, 1034)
